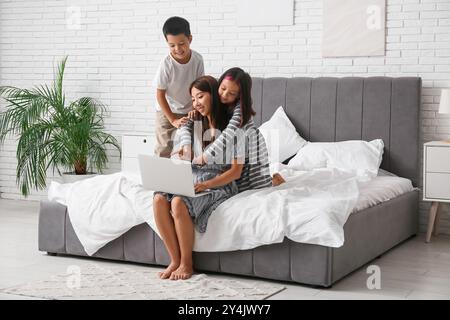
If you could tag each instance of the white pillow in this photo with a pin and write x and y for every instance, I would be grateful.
(355, 155)
(282, 139)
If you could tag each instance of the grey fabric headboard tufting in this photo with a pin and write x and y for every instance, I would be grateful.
(353, 108)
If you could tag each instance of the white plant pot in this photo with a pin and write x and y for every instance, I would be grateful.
(71, 177)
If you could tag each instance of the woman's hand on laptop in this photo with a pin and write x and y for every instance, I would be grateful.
(200, 160)
(202, 186)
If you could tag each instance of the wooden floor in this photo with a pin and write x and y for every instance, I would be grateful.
(412, 270)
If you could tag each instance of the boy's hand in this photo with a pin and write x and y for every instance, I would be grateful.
(194, 115)
(179, 122)
(202, 186)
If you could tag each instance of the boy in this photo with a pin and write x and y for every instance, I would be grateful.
(175, 73)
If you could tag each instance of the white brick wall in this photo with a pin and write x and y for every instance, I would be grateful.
(114, 55)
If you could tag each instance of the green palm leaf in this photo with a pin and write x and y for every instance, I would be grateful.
(53, 135)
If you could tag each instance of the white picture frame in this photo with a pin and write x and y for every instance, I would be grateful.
(353, 28)
(265, 12)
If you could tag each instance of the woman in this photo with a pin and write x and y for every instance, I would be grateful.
(177, 215)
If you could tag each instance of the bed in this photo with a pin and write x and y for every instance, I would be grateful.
(322, 109)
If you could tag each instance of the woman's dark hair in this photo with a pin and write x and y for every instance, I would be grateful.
(175, 26)
(219, 114)
(244, 81)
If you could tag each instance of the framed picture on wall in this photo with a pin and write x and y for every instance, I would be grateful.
(353, 28)
(265, 12)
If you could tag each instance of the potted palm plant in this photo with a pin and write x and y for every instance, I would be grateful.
(53, 133)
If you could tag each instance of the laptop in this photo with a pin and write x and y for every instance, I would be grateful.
(168, 175)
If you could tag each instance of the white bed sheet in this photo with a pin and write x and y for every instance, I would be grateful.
(381, 189)
(311, 207)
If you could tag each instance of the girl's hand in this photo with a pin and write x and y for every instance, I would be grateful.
(194, 114)
(202, 186)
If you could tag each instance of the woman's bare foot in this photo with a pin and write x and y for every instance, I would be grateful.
(182, 273)
(166, 273)
(277, 179)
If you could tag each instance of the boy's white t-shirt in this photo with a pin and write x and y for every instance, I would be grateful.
(176, 78)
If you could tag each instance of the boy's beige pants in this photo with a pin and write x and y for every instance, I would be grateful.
(164, 132)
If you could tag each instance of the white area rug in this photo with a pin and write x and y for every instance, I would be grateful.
(95, 282)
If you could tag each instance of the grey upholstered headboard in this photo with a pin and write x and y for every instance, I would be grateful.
(336, 109)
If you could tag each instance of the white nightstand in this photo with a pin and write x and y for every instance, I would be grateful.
(436, 180)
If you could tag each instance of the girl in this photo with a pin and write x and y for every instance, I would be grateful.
(176, 215)
(235, 93)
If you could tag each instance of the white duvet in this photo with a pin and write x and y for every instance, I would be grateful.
(311, 207)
